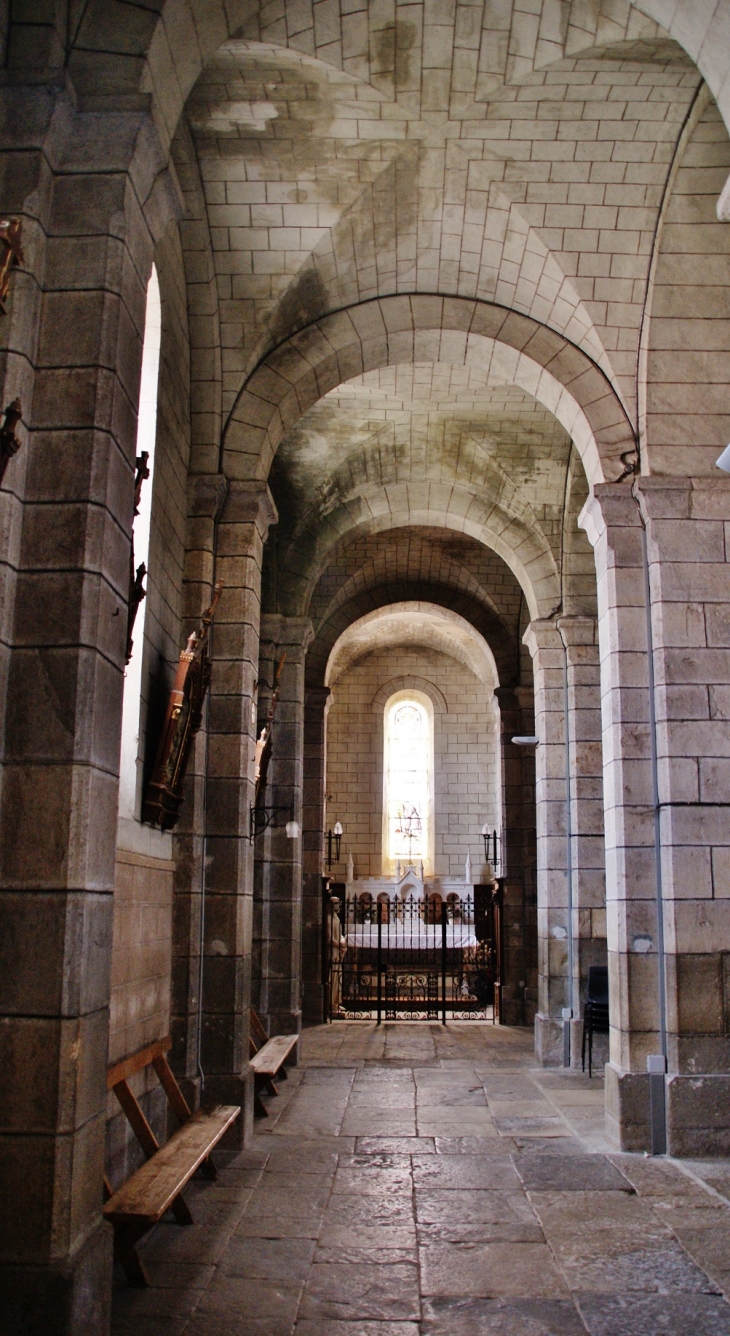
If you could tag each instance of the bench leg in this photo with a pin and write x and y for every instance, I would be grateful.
(208, 1169)
(181, 1211)
(268, 1082)
(125, 1239)
(282, 1074)
(259, 1108)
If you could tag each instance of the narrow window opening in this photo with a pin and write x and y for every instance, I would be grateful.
(408, 783)
(131, 760)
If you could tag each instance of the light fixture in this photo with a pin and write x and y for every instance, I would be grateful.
(292, 830)
(526, 741)
(335, 834)
(491, 840)
(724, 460)
(261, 818)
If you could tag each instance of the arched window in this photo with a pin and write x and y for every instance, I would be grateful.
(408, 782)
(131, 759)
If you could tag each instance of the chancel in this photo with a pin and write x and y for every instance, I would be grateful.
(365, 667)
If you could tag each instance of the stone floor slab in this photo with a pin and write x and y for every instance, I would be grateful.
(500, 1317)
(559, 1173)
(654, 1315)
(491, 1270)
(362, 1290)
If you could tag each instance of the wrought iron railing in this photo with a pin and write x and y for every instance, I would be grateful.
(416, 959)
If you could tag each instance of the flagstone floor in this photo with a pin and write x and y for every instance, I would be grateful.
(420, 1180)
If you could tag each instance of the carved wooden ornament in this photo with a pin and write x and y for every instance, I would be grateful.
(11, 253)
(164, 795)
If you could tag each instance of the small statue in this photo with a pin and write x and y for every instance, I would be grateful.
(137, 590)
(9, 443)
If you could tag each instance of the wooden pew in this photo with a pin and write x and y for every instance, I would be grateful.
(267, 1060)
(157, 1186)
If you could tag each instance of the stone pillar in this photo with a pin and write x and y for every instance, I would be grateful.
(579, 635)
(544, 642)
(206, 495)
(517, 867)
(279, 873)
(690, 592)
(228, 855)
(316, 705)
(62, 720)
(567, 643)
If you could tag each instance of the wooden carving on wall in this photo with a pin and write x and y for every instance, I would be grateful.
(11, 235)
(9, 443)
(164, 795)
(137, 590)
(263, 744)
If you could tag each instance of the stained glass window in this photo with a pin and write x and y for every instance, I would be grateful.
(408, 765)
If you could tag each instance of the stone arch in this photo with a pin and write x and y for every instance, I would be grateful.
(409, 623)
(444, 506)
(514, 348)
(685, 340)
(409, 682)
(505, 653)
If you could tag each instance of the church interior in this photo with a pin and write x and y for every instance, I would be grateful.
(365, 667)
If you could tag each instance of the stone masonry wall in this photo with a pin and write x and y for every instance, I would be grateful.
(143, 889)
(466, 781)
(140, 999)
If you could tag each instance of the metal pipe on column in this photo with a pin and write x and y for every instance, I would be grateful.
(569, 1011)
(656, 1063)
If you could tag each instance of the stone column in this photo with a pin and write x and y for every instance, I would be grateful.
(517, 867)
(544, 642)
(567, 643)
(62, 716)
(279, 874)
(228, 854)
(613, 524)
(690, 591)
(206, 495)
(580, 638)
(316, 706)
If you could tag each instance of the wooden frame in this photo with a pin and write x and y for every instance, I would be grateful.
(183, 718)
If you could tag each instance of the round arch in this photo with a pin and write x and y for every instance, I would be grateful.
(514, 349)
(424, 623)
(503, 652)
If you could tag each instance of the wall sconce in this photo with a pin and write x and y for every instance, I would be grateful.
(491, 846)
(260, 818)
(292, 830)
(335, 834)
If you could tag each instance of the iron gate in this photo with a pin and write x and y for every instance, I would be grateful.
(410, 959)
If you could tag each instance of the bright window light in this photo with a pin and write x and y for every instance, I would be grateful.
(130, 794)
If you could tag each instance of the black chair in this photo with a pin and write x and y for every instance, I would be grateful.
(595, 1011)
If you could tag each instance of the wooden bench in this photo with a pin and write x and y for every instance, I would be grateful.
(158, 1185)
(267, 1060)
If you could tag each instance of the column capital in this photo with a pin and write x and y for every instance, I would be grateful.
(609, 505)
(577, 632)
(206, 495)
(542, 636)
(317, 698)
(292, 633)
(250, 503)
